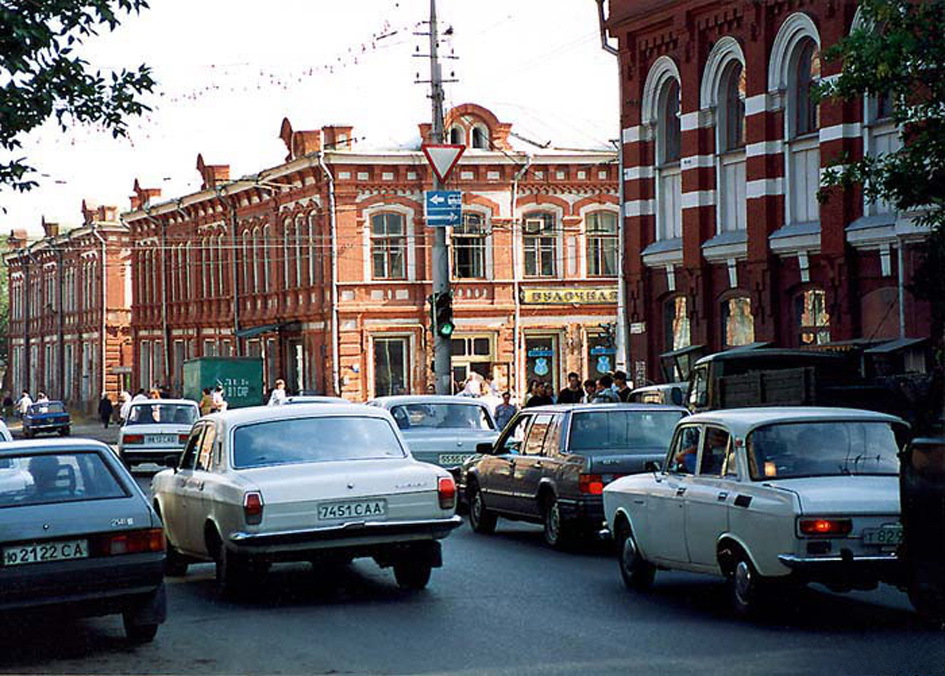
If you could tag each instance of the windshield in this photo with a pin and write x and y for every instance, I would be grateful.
(441, 416)
(149, 414)
(50, 407)
(46, 479)
(613, 432)
(822, 449)
(322, 439)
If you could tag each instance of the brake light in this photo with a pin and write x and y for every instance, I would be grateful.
(130, 542)
(446, 489)
(253, 508)
(829, 527)
(592, 484)
(133, 439)
(182, 438)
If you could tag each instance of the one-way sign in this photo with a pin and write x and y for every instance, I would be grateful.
(443, 208)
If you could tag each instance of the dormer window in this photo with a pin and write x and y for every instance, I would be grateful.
(457, 136)
(480, 138)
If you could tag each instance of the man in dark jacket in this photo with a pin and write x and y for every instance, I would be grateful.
(572, 393)
(105, 409)
(620, 383)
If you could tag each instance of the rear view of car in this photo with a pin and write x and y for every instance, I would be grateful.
(47, 417)
(155, 429)
(77, 536)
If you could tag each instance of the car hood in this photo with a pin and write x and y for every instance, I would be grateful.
(844, 494)
(453, 440)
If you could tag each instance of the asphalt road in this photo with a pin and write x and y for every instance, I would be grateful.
(502, 604)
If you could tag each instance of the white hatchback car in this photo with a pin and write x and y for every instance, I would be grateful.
(767, 497)
(308, 482)
(156, 429)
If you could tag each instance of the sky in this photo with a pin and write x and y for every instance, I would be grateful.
(229, 71)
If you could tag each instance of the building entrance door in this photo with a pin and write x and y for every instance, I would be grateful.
(541, 360)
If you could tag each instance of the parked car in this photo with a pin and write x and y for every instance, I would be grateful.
(668, 393)
(308, 482)
(5, 432)
(769, 498)
(155, 429)
(441, 429)
(77, 535)
(46, 416)
(552, 462)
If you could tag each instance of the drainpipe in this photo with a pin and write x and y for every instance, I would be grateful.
(60, 328)
(333, 230)
(623, 357)
(104, 328)
(516, 282)
(901, 282)
(27, 291)
(164, 330)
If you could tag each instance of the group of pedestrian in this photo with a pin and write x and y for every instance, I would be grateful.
(212, 400)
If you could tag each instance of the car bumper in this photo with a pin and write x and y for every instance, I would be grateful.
(95, 586)
(46, 427)
(844, 569)
(588, 510)
(345, 536)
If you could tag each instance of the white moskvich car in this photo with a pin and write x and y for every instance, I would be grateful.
(308, 482)
(155, 429)
(766, 497)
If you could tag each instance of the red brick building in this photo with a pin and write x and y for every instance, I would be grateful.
(723, 148)
(69, 331)
(322, 264)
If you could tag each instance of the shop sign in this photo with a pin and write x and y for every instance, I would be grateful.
(541, 352)
(582, 296)
(600, 349)
(636, 328)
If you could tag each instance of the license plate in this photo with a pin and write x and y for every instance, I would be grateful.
(331, 511)
(161, 439)
(451, 459)
(887, 536)
(45, 551)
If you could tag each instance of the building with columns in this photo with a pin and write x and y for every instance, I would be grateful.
(322, 264)
(723, 148)
(70, 309)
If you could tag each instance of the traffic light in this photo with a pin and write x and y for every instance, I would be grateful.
(441, 319)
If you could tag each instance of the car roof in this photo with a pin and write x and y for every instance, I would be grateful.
(741, 421)
(621, 406)
(144, 402)
(768, 352)
(660, 387)
(254, 414)
(395, 400)
(51, 446)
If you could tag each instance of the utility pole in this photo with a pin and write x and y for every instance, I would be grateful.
(442, 368)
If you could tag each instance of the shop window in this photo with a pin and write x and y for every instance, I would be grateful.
(469, 241)
(601, 355)
(676, 323)
(602, 244)
(813, 322)
(541, 359)
(540, 244)
(390, 366)
(388, 246)
(738, 325)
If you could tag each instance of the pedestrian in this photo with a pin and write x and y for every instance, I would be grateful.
(431, 389)
(41, 398)
(278, 396)
(23, 403)
(621, 386)
(542, 396)
(105, 409)
(154, 393)
(505, 411)
(532, 391)
(219, 401)
(572, 393)
(206, 402)
(605, 390)
(7, 406)
(590, 391)
(139, 396)
(124, 405)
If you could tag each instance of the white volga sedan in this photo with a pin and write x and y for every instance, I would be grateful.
(308, 482)
(767, 497)
(155, 429)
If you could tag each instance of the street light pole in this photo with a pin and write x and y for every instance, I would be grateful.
(441, 266)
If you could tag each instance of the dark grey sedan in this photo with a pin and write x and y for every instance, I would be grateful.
(77, 535)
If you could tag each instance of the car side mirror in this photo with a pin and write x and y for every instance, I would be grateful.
(651, 466)
(171, 461)
(484, 448)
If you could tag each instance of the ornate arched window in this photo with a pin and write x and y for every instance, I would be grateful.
(811, 317)
(676, 329)
(661, 113)
(266, 262)
(247, 263)
(457, 135)
(480, 137)
(738, 324)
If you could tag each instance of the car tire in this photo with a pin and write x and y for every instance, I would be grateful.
(176, 564)
(558, 533)
(232, 571)
(747, 588)
(637, 572)
(412, 575)
(64, 432)
(138, 633)
(481, 519)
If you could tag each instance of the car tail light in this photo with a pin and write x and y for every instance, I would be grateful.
(130, 542)
(828, 527)
(253, 508)
(133, 439)
(446, 489)
(182, 438)
(592, 484)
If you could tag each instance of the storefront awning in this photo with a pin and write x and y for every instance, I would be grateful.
(254, 331)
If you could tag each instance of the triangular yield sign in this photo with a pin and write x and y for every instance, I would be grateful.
(442, 158)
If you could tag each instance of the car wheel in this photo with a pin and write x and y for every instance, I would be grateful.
(232, 571)
(27, 434)
(747, 587)
(558, 532)
(480, 518)
(412, 575)
(637, 572)
(175, 565)
(138, 633)
(64, 432)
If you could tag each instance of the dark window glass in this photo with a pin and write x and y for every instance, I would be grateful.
(469, 247)
(143, 414)
(390, 366)
(388, 246)
(47, 407)
(481, 347)
(806, 109)
(670, 130)
(602, 244)
(540, 245)
(813, 322)
(613, 432)
(441, 416)
(733, 108)
(48, 479)
(306, 440)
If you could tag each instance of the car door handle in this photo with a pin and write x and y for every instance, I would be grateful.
(680, 490)
(722, 496)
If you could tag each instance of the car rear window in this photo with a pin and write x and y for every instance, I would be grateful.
(614, 432)
(150, 414)
(441, 416)
(43, 479)
(52, 407)
(316, 439)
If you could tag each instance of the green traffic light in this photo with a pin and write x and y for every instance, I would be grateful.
(445, 329)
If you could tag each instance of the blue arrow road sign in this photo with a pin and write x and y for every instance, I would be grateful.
(443, 208)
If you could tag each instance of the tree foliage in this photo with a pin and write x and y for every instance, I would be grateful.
(42, 76)
(898, 50)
